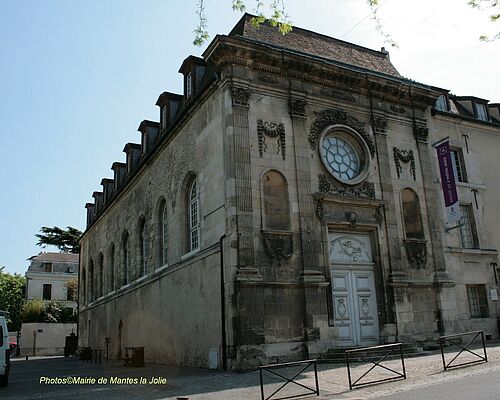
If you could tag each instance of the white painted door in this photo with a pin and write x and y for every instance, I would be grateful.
(353, 290)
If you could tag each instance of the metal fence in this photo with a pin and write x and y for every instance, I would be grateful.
(271, 369)
(455, 340)
(378, 355)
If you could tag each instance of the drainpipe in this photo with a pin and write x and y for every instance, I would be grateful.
(223, 305)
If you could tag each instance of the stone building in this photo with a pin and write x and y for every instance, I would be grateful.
(287, 203)
(48, 275)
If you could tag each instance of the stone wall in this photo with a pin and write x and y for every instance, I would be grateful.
(50, 338)
(173, 310)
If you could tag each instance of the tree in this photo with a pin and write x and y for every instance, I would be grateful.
(37, 310)
(12, 297)
(281, 20)
(72, 289)
(66, 240)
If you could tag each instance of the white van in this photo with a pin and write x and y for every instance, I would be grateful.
(4, 349)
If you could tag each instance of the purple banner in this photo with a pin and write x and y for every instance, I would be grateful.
(448, 181)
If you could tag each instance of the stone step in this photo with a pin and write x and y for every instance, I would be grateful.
(337, 355)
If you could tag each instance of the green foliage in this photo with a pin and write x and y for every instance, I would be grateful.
(494, 7)
(53, 312)
(280, 19)
(72, 289)
(33, 311)
(66, 240)
(12, 297)
(201, 33)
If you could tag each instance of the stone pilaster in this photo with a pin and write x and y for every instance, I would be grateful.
(396, 272)
(243, 178)
(313, 277)
(445, 291)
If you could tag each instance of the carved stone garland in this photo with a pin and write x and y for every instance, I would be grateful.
(365, 189)
(272, 130)
(278, 245)
(404, 156)
(333, 117)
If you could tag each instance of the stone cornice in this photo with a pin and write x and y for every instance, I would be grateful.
(291, 64)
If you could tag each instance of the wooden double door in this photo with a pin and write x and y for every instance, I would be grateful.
(353, 290)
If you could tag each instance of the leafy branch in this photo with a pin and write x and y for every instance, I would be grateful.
(494, 7)
(280, 19)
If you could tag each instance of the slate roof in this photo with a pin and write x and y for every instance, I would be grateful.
(56, 257)
(61, 262)
(316, 44)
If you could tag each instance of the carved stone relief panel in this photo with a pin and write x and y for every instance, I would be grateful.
(327, 185)
(278, 245)
(337, 94)
(273, 130)
(268, 78)
(416, 252)
(348, 248)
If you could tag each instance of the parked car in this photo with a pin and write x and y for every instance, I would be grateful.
(4, 349)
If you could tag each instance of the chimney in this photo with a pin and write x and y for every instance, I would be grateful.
(133, 154)
(120, 170)
(169, 104)
(149, 134)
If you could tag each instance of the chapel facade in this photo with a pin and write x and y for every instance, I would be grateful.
(288, 203)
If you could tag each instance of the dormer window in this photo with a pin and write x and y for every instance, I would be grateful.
(481, 112)
(163, 117)
(189, 85)
(129, 163)
(442, 103)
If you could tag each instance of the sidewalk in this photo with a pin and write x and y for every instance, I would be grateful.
(198, 384)
(333, 380)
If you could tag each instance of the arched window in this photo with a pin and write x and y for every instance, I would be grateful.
(100, 277)
(193, 216)
(163, 224)
(412, 215)
(111, 270)
(126, 259)
(143, 247)
(276, 204)
(91, 281)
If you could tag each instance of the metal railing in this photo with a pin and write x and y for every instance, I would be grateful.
(453, 341)
(361, 354)
(271, 367)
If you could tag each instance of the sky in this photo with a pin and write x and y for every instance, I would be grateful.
(77, 77)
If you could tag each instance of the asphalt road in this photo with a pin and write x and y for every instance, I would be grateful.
(485, 386)
(27, 382)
